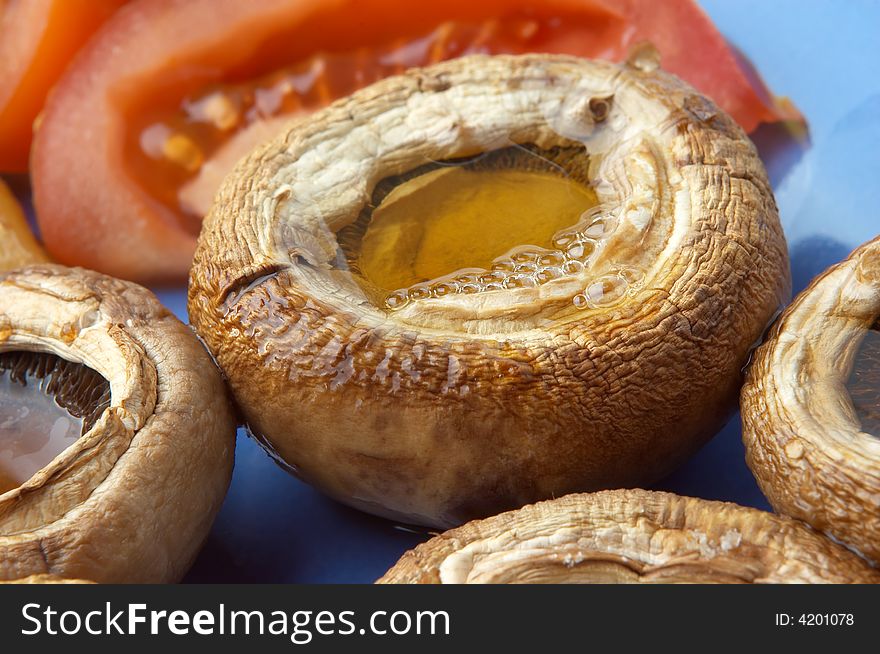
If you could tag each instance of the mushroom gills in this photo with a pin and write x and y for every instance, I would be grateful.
(519, 216)
(46, 404)
(864, 382)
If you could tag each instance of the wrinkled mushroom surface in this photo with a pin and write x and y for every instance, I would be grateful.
(631, 536)
(132, 499)
(452, 399)
(814, 451)
(45, 579)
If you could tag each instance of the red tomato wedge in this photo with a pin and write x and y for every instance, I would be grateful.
(37, 40)
(166, 97)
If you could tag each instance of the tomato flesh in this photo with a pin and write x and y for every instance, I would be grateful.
(157, 107)
(39, 37)
(181, 157)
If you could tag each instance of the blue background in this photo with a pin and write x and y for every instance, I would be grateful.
(824, 55)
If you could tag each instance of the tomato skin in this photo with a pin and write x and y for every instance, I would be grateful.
(94, 212)
(39, 37)
(692, 48)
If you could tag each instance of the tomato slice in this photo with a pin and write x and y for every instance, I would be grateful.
(39, 37)
(159, 106)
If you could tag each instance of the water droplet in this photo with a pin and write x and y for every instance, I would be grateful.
(563, 240)
(503, 265)
(526, 267)
(580, 301)
(551, 259)
(520, 281)
(572, 267)
(419, 293)
(525, 256)
(644, 57)
(492, 277)
(396, 300)
(443, 289)
(548, 274)
(605, 291)
(591, 215)
(600, 228)
(469, 289)
(581, 250)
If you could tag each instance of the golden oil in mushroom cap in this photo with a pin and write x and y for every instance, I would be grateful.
(46, 404)
(864, 382)
(456, 218)
(511, 218)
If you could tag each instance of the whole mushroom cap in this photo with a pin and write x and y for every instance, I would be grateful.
(132, 499)
(805, 443)
(455, 407)
(631, 536)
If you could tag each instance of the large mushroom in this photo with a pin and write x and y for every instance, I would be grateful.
(116, 434)
(491, 281)
(631, 536)
(811, 405)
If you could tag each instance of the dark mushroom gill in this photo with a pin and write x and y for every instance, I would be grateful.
(46, 404)
(864, 382)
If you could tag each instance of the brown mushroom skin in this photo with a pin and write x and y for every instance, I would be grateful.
(804, 442)
(459, 415)
(631, 536)
(44, 579)
(134, 498)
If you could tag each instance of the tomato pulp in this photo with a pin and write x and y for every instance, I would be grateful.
(37, 40)
(158, 107)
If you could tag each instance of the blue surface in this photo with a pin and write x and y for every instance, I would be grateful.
(825, 56)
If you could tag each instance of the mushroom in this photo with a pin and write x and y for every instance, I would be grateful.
(18, 247)
(45, 579)
(371, 284)
(116, 434)
(631, 536)
(811, 405)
